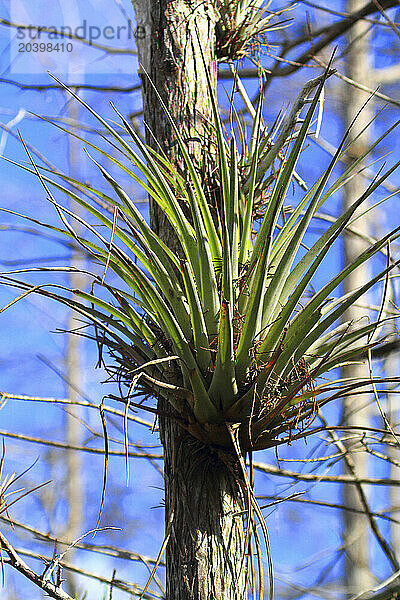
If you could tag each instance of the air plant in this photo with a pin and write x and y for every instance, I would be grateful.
(241, 23)
(221, 327)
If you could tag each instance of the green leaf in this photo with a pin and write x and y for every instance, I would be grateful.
(200, 335)
(223, 388)
(251, 328)
(290, 280)
(308, 333)
(245, 237)
(281, 186)
(232, 217)
(214, 242)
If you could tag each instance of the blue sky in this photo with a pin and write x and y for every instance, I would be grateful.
(31, 351)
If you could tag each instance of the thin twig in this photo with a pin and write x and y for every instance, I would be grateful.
(71, 36)
(77, 86)
(64, 446)
(53, 590)
(4, 396)
(331, 33)
(346, 479)
(387, 550)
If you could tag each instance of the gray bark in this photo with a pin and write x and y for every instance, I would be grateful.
(203, 497)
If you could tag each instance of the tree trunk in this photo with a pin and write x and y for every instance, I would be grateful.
(75, 497)
(176, 44)
(205, 555)
(356, 408)
(205, 552)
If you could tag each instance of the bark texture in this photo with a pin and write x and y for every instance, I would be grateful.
(205, 553)
(178, 47)
(203, 496)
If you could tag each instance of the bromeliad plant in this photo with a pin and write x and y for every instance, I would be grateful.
(221, 328)
(243, 24)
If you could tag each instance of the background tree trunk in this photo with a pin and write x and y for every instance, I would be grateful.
(205, 554)
(74, 485)
(356, 408)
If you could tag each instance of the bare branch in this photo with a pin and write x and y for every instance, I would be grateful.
(387, 590)
(351, 466)
(339, 13)
(131, 588)
(248, 73)
(330, 34)
(293, 498)
(388, 19)
(54, 444)
(121, 553)
(362, 87)
(91, 43)
(347, 479)
(4, 396)
(76, 86)
(53, 590)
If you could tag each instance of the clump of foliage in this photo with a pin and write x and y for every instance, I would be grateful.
(242, 25)
(222, 329)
